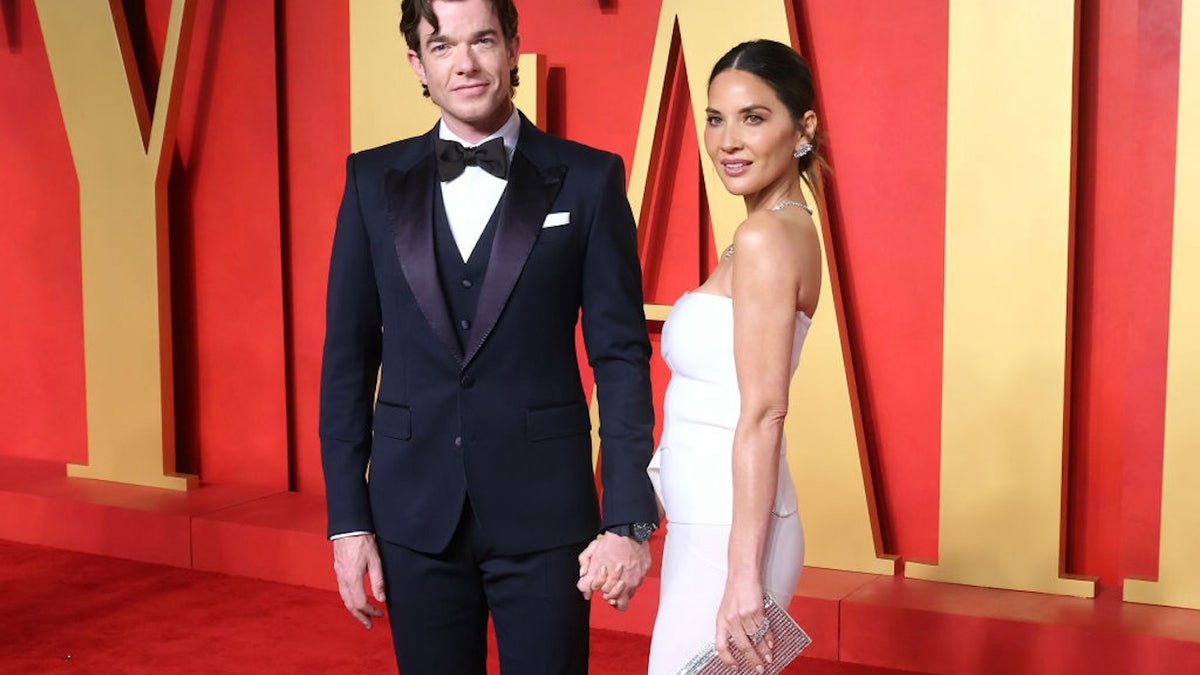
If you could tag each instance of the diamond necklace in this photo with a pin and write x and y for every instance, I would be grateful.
(781, 205)
(791, 202)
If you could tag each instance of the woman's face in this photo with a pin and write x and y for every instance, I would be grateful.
(750, 135)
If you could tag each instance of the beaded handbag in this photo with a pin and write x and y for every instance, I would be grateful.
(790, 640)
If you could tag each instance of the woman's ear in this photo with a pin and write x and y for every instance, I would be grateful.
(808, 124)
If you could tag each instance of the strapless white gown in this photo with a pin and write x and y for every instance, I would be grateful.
(692, 473)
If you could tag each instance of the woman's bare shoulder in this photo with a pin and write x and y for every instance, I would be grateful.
(770, 232)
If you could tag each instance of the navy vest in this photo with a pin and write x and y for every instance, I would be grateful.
(461, 281)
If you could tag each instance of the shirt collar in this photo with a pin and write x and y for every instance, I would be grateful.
(509, 131)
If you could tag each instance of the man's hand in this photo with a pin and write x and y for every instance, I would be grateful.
(354, 557)
(615, 566)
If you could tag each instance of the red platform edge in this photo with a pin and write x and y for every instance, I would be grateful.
(866, 619)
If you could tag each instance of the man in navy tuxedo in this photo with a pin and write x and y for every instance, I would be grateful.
(461, 263)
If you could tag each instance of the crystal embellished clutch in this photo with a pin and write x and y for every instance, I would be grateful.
(790, 640)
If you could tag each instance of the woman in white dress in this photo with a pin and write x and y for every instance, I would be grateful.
(732, 345)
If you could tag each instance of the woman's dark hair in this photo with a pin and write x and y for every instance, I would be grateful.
(412, 11)
(788, 74)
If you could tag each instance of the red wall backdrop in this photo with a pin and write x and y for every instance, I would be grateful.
(257, 176)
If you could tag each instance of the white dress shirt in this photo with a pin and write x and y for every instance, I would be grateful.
(471, 198)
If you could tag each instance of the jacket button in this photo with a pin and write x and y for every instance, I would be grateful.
(466, 283)
(466, 325)
(467, 381)
(458, 441)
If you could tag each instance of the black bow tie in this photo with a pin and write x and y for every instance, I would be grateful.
(453, 158)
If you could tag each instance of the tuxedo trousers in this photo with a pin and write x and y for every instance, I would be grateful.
(438, 606)
(694, 568)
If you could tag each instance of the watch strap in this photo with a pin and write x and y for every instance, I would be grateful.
(638, 532)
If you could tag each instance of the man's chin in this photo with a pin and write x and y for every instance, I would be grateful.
(492, 114)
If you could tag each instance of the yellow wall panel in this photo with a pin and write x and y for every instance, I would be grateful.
(1009, 169)
(119, 155)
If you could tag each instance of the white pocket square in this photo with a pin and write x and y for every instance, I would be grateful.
(556, 219)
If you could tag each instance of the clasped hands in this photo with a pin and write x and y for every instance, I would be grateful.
(615, 566)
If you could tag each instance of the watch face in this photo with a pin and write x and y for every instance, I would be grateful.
(642, 531)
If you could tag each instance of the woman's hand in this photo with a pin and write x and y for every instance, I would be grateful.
(742, 624)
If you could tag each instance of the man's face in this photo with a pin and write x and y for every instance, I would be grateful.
(466, 66)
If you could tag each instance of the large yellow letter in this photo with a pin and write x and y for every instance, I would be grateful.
(1179, 547)
(120, 159)
(385, 97)
(825, 453)
(1008, 218)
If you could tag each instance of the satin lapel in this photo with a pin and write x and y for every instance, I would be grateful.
(530, 195)
(410, 197)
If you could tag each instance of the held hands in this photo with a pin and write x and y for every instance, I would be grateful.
(615, 566)
(354, 557)
(742, 624)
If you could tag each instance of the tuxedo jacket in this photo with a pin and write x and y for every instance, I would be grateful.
(416, 419)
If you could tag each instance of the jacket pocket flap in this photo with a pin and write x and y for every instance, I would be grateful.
(393, 421)
(567, 420)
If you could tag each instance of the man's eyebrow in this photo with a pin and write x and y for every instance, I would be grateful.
(439, 37)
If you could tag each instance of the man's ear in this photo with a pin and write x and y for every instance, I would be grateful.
(514, 50)
(414, 60)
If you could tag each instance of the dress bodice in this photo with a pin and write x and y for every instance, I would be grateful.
(701, 412)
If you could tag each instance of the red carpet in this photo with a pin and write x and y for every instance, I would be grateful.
(66, 612)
